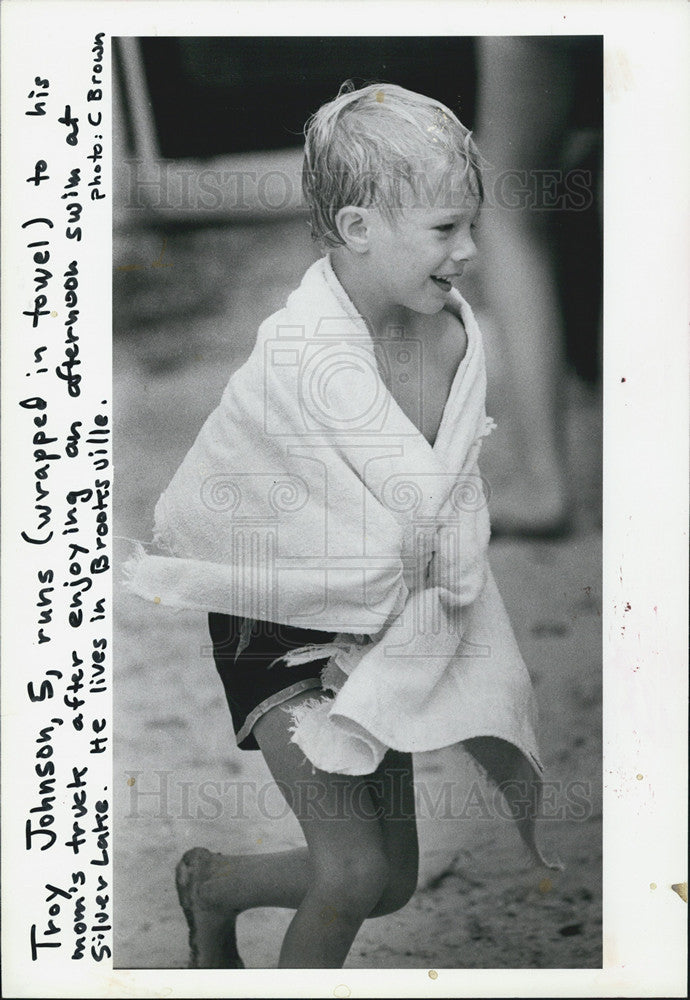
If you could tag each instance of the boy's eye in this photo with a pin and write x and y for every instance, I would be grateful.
(446, 227)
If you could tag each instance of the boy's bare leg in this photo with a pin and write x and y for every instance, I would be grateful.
(362, 834)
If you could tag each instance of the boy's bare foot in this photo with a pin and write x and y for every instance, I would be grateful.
(212, 941)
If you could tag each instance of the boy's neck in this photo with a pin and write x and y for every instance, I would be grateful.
(362, 291)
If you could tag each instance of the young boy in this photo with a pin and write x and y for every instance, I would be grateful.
(330, 519)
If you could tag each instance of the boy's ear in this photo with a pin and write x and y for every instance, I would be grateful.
(353, 227)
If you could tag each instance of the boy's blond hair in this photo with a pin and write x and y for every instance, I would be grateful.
(372, 146)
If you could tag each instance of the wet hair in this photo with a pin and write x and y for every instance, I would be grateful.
(375, 147)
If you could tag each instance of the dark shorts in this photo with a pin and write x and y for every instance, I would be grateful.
(251, 688)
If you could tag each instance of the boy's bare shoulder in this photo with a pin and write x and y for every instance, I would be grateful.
(448, 343)
(455, 332)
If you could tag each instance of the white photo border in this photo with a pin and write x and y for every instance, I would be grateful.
(645, 474)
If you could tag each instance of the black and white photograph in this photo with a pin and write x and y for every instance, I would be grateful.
(344, 528)
(321, 708)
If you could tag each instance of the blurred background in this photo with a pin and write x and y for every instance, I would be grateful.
(210, 236)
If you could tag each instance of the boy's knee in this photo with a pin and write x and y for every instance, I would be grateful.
(399, 890)
(355, 884)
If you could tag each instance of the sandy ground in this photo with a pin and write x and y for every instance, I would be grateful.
(187, 307)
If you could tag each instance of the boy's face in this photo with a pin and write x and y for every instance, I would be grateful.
(415, 256)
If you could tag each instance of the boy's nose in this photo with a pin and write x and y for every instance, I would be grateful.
(464, 249)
